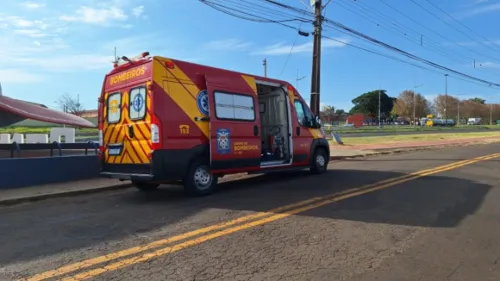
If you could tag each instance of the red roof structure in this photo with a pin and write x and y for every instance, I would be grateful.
(14, 110)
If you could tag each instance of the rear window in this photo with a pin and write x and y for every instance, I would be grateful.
(114, 113)
(137, 104)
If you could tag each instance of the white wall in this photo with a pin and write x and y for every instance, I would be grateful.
(5, 138)
(55, 135)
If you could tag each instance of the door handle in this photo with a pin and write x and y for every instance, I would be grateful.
(255, 130)
(131, 131)
(297, 131)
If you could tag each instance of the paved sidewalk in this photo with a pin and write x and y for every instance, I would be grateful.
(419, 144)
(33, 193)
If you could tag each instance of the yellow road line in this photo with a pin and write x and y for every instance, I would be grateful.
(288, 210)
(171, 249)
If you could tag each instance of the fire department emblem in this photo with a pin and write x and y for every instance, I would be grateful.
(138, 102)
(113, 106)
(223, 141)
(202, 102)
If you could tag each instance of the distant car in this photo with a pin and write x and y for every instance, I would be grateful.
(348, 125)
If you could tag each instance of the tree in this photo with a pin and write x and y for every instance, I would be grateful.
(473, 109)
(327, 113)
(340, 111)
(478, 100)
(70, 104)
(447, 106)
(367, 103)
(403, 106)
(394, 111)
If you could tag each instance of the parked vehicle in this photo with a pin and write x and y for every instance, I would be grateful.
(474, 121)
(164, 120)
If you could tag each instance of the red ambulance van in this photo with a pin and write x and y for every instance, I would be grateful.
(163, 120)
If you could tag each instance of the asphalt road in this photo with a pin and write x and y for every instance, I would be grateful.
(439, 223)
(449, 131)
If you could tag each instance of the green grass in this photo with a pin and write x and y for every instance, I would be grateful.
(416, 138)
(389, 129)
(29, 126)
(42, 130)
(37, 127)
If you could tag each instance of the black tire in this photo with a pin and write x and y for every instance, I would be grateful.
(145, 186)
(199, 180)
(319, 161)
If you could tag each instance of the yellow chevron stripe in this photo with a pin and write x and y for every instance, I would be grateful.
(135, 151)
(184, 95)
(251, 82)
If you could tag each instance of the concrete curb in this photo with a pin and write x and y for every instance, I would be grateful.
(39, 197)
(385, 151)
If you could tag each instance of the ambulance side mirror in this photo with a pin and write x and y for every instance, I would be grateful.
(317, 122)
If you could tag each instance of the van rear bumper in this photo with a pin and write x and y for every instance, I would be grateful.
(166, 165)
(135, 172)
(126, 176)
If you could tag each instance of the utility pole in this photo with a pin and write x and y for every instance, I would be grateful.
(415, 102)
(315, 77)
(458, 112)
(264, 63)
(491, 114)
(414, 106)
(445, 96)
(379, 109)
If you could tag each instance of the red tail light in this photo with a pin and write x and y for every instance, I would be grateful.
(156, 134)
(101, 141)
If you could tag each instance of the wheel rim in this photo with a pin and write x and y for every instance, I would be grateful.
(320, 160)
(202, 178)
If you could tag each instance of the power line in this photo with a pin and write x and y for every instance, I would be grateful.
(291, 49)
(290, 53)
(412, 56)
(429, 29)
(457, 21)
(404, 31)
(223, 9)
(340, 26)
(439, 18)
(374, 41)
(396, 29)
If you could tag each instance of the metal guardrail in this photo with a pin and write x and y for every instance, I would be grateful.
(16, 148)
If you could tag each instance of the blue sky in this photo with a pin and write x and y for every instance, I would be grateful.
(48, 48)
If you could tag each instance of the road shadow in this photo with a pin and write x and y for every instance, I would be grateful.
(60, 225)
(375, 159)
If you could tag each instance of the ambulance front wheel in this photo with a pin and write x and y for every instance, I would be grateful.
(319, 161)
(199, 180)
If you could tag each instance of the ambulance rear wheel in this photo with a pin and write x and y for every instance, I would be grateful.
(199, 180)
(319, 161)
(145, 186)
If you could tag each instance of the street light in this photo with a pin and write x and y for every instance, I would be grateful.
(415, 102)
(445, 96)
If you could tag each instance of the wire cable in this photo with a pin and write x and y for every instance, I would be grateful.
(439, 18)
(457, 21)
(341, 27)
